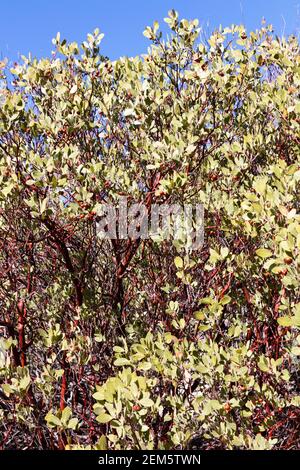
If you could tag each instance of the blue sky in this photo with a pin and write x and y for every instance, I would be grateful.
(29, 25)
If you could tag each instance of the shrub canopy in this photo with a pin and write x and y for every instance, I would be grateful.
(128, 344)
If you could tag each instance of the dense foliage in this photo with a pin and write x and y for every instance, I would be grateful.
(129, 344)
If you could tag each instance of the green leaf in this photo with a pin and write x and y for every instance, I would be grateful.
(122, 361)
(7, 389)
(199, 315)
(289, 321)
(147, 32)
(260, 185)
(178, 262)
(128, 112)
(102, 443)
(146, 402)
(103, 417)
(24, 382)
(66, 414)
(7, 189)
(43, 205)
(264, 253)
(52, 420)
(225, 300)
(73, 89)
(263, 364)
(99, 395)
(72, 424)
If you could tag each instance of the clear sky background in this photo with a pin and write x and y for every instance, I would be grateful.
(29, 25)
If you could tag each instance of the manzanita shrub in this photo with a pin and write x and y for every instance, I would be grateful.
(139, 344)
